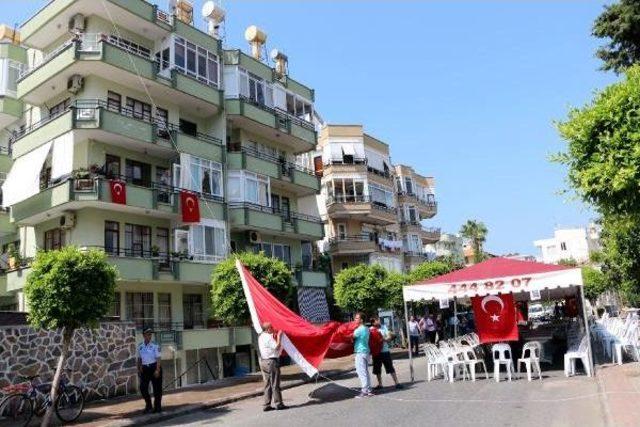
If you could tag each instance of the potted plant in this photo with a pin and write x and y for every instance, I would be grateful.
(83, 179)
(15, 260)
(155, 251)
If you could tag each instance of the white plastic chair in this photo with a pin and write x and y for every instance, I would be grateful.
(532, 361)
(471, 360)
(453, 362)
(502, 356)
(582, 353)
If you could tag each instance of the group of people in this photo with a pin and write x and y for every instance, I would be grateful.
(431, 329)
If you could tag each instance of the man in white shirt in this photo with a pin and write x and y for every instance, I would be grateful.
(150, 371)
(270, 349)
(414, 335)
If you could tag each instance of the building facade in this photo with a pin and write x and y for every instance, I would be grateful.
(128, 94)
(372, 210)
(450, 245)
(570, 243)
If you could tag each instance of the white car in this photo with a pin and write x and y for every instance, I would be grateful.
(536, 312)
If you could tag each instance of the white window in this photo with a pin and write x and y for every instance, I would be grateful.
(347, 189)
(201, 175)
(299, 107)
(255, 88)
(244, 186)
(130, 46)
(342, 231)
(207, 241)
(381, 195)
(9, 72)
(196, 61)
(275, 250)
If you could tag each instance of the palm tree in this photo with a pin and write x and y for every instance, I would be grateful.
(476, 232)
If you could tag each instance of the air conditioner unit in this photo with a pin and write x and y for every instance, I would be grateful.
(75, 83)
(76, 23)
(254, 237)
(68, 220)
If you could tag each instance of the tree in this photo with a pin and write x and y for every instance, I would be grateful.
(595, 283)
(68, 289)
(430, 269)
(603, 148)
(620, 24)
(476, 232)
(621, 256)
(227, 296)
(360, 288)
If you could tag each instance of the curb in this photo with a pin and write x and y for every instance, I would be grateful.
(156, 418)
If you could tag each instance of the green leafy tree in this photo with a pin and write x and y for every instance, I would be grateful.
(68, 289)
(227, 297)
(620, 25)
(430, 269)
(392, 287)
(595, 283)
(476, 232)
(603, 148)
(621, 256)
(360, 288)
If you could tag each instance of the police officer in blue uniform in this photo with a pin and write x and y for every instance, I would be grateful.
(150, 371)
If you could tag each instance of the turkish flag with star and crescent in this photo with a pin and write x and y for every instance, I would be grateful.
(495, 318)
(190, 206)
(118, 191)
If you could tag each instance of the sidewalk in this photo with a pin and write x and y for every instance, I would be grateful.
(127, 411)
(620, 388)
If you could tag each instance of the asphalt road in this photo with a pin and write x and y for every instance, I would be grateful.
(554, 401)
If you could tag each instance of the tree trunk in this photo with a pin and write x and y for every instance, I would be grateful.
(67, 335)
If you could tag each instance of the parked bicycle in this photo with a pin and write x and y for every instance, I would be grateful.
(22, 402)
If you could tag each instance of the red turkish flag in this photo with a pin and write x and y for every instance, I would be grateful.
(495, 318)
(190, 206)
(118, 191)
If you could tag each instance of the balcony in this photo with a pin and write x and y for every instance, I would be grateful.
(249, 216)
(350, 165)
(352, 245)
(413, 258)
(427, 208)
(360, 208)
(277, 125)
(10, 110)
(51, 21)
(157, 200)
(290, 176)
(430, 235)
(95, 54)
(92, 119)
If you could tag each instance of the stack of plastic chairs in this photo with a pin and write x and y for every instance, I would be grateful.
(574, 353)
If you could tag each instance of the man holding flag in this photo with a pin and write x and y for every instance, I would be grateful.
(270, 349)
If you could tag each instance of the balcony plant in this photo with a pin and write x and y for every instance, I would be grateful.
(15, 259)
(155, 251)
(83, 179)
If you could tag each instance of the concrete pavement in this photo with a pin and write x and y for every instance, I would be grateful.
(609, 400)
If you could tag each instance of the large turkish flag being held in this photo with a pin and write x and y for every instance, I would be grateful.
(118, 191)
(495, 318)
(190, 206)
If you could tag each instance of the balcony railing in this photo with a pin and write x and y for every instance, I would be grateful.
(277, 112)
(343, 198)
(286, 215)
(286, 166)
(384, 174)
(87, 109)
(429, 201)
(348, 161)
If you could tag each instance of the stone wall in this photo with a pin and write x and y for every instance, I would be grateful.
(103, 361)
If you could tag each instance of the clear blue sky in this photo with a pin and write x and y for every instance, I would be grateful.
(464, 91)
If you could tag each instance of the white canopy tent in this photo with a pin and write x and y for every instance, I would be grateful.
(495, 276)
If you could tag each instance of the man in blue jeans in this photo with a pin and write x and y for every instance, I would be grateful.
(361, 351)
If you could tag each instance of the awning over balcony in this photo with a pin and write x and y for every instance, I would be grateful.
(23, 180)
(62, 157)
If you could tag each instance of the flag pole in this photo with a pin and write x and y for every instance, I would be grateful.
(587, 330)
(455, 317)
(406, 321)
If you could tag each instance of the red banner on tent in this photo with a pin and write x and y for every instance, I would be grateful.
(118, 191)
(495, 318)
(190, 206)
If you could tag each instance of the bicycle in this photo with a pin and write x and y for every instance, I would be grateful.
(18, 407)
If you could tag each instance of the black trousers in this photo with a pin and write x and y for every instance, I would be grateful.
(147, 376)
(414, 344)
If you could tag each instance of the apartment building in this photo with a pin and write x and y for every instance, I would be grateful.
(13, 58)
(570, 243)
(449, 245)
(416, 202)
(372, 210)
(126, 117)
